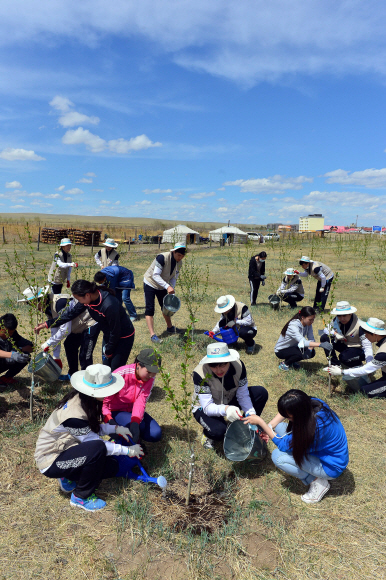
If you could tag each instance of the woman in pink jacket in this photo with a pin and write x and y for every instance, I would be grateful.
(127, 407)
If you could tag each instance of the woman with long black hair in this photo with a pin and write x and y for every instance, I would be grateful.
(256, 274)
(114, 322)
(296, 341)
(312, 446)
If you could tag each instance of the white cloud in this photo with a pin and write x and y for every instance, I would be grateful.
(222, 199)
(84, 180)
(73, 118)
(18, 206)
(52, 196)
(68, 199)
(149, 191)
(83, 136)
(13, 184)
(90, 174)
(345, 198)
(10, 154)
(105, 201)
(221, 209)
(74, 191)
(61, 104)
(202, 195)
(221, 189)
(99, 190)
(35, 194)
(41, 204)
(169, 198)
(371, 178)
(117, 203)
(60, 188)
(275, 184)
(144, 202)
(133, 144)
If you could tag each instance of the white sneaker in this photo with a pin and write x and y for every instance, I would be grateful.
(318, 489)
(206, 442)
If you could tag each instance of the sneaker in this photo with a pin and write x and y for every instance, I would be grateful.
(66, 485)
(155, 338)
(250, 349)
(90, 504)
(283, 366)
(296, 366)
(174, 330)
(318, 489)
(206, 442)
(64, 377)
(7, 381)
(133, 318)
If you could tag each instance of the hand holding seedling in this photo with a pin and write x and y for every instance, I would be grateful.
(135, 451)
(333, 370)
(19, 357)
(40, 327)
(233, 413)
(123, 432)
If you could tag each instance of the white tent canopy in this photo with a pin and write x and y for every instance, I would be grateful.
(235, 234)
(180, 235)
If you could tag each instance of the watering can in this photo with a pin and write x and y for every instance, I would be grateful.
(241, 442)
(44, 367)
(228, 335)
(171, 304)
(274, 301)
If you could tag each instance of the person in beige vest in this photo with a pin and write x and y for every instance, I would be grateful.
(221, 391)
(70, 448)
(159, 280)
(291, 288)
(351, 347)
(323, 274)
(107, 256)
(62, 264)
(236, 315)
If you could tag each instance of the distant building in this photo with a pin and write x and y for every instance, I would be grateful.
(311, 222)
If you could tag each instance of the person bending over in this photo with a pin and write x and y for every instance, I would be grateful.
(323, 274)
(121, 280)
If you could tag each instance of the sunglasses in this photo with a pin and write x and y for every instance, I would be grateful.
(220, 365)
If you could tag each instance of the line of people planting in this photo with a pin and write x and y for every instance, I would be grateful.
(110, 398)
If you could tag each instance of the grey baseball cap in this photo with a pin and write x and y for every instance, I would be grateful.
(149, 359)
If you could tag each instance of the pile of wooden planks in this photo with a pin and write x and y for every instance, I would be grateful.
(52, 235)
(79, 237)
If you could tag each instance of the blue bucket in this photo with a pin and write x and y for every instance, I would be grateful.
(229, 336)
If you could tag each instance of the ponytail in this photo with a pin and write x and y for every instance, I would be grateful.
(303, 313)
(83, 287)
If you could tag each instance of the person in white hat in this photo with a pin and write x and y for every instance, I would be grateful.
(347, 337)
(69, 447)
(323, 274)
(15, 350)
(107, 256)
(221, 392)
(291, 288)
(375, 332)
(236, 315)
(159, 280)
(62, 264)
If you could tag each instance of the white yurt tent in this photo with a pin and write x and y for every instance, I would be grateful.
(180, 235)
(226, 232)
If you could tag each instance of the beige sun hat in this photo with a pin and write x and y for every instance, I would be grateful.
(305, 259)
(65, 242)
(374, 325)
(34, 292)
(219, 352)
(343, 307)
(290, 272)
(97, 381)
(224, 303)
(110, 243)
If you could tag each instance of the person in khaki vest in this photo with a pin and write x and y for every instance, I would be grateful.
(221, 392)
(236, 315)
(323, 274)
(347, 337)
(60, 271)
(291, 288)
(107, 256)
(159, 280)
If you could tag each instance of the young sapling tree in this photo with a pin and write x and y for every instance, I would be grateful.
(192, 284)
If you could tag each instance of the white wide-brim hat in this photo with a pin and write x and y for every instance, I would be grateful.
(219, 352)
(374, 325)
(65, 242)
(343, 308)
(110, 243)
(225, 303)
(97, 381)
(305, 259)
(33, 292)
(290, 272)
(178, 247)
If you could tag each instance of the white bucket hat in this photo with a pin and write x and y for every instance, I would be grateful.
(374, 325)
(343, 307)
(110, 243)
(33, 292)
(97, 381)
(305, 259)
(65, 242)
(290, 272)
(224, 303)
(178, 247)
(219, 352)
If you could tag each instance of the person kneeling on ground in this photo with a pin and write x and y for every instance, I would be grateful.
(312, 446)
(291, 289)
(347, 337)
(221, 391)
(296, 341)
(69, 447)
(127, 407)
(121, 280)
(375, 332)
(14, 349)
(236, 315)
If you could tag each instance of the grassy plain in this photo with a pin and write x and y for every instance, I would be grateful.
(269, 533)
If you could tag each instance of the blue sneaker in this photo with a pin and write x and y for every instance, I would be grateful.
(64, 377)
(133, 318)
(283, 366)
(90, 504)
(66, 485)
(155, 338)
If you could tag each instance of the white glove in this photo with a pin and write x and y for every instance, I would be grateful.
(233, 413)
(231, 323)
(135, 451)
(250, 411)
(321, 290)
(45, 346)
(338, 336)
(123, 432)
(333, 370)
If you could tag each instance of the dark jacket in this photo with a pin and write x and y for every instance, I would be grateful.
(112, 318)
(119, 277)
(256, 269)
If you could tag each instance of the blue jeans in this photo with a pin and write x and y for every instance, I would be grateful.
(148, 428)
(311, 467)
(123, 295)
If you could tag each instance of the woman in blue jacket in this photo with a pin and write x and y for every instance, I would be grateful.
(121, 280)
(312, 446)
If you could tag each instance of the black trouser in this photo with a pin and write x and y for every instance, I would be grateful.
(376, 389)
(293, 354)
(86, 464)
(247, 334)
(215, 427)
(350, 356)
(150, 295)
(120, 354)
(255, 285)
(12, 368)
(57, 288)
(321, 297)
(292, 298)
(84, 342)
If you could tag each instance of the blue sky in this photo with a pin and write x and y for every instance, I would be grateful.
(246, 111)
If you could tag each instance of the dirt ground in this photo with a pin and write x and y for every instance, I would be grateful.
(268, 532)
